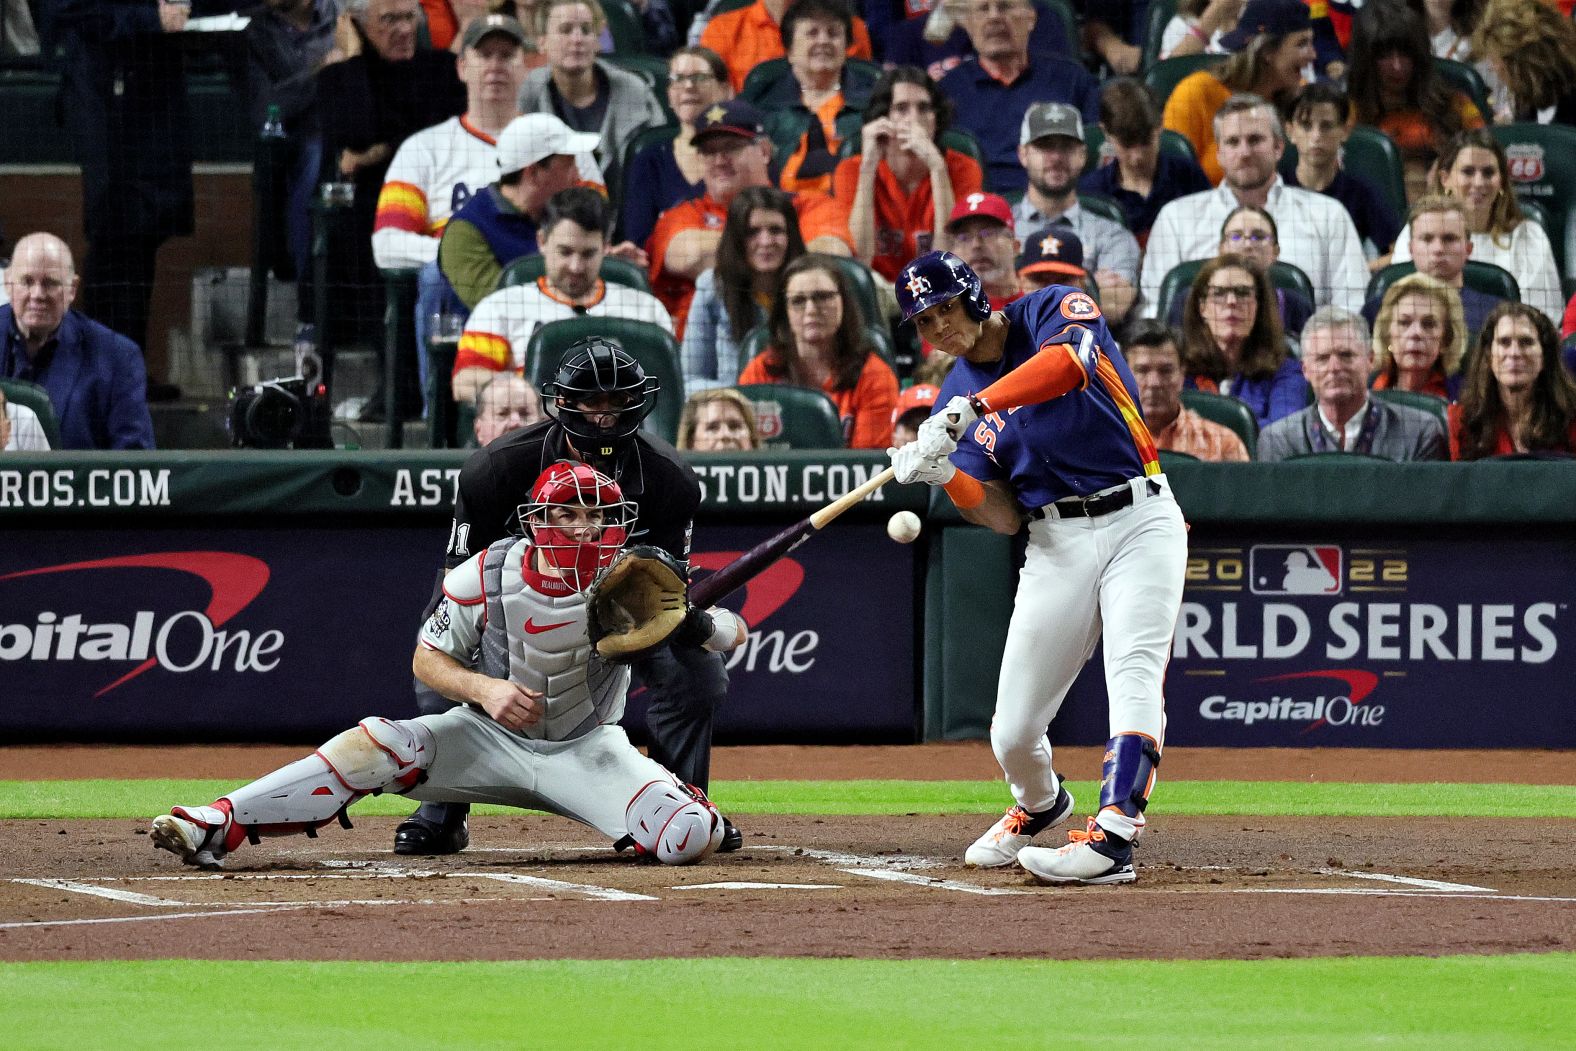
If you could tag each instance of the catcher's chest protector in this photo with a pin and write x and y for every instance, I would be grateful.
(540, 642)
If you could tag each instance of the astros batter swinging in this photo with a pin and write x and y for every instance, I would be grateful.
(539, 724)
(1039, 425)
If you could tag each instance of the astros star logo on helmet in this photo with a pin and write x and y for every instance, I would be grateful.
(917, 285)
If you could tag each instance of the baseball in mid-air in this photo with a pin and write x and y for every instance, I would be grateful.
(903, 527)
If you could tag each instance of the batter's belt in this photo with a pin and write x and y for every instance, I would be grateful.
(1096, 504)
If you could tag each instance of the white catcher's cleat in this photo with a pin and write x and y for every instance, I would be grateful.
(1092, 858)
(1000, 845)
(195, 834)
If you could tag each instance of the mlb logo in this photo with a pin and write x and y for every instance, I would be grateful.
(1295, 569)
(1526, 161)
(769, 419)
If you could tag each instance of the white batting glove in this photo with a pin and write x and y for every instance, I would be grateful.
(957, 416)
(933, 439)
(910, 464)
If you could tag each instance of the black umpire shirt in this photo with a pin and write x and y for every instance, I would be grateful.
(497, 479)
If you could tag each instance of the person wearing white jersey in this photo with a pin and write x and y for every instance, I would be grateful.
(1316, 234)
(574, 240)
(538, 723)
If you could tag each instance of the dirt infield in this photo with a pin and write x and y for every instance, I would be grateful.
(534, 887)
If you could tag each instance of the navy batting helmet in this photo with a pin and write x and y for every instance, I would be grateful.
(936, 277)
(598, 368)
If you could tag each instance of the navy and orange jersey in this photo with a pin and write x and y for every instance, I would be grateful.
(1089, 439)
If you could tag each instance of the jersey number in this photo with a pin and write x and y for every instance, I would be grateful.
(459, 539)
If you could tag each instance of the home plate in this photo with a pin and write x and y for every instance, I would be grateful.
(740, 885)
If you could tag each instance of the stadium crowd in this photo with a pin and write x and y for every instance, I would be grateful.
(1341, 227)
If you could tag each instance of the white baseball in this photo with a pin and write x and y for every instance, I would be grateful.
(903, 527)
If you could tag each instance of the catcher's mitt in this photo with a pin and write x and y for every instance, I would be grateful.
(636, 604)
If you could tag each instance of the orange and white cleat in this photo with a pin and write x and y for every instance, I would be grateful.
(999, 846)
(1092, 857)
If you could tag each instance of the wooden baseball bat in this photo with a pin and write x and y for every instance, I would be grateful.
(741, 570)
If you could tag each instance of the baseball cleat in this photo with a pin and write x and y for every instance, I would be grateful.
(195, 834)
(732, 838)
(415, 836)
(999, 846)
(1093, 857)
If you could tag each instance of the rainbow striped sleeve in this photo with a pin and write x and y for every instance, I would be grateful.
(1111, 381)
(482, 350)
(402, 206)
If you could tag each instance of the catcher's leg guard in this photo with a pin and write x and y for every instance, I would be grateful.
(376, 755)
(1127, 778)
(673, 823)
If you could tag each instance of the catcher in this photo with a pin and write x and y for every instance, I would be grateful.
(533, 635)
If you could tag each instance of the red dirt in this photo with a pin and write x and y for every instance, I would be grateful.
(959, 760)
(1211, 887)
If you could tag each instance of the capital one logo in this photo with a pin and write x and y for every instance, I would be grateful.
(777, 650)
(186, 641)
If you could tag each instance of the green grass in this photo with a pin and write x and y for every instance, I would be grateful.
(1454, 1002)
(141, 799)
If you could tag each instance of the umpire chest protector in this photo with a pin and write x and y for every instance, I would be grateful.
(539, 641)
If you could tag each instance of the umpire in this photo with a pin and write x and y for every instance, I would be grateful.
(595, 403)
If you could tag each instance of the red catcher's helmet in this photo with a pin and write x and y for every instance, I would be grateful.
(578, 518)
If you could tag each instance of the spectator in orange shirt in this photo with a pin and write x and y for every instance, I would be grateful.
(1395, 87)
(819, 341)
(900, 189)
(1156, 362)
(1272, 43)
(821, 100)
(748, 36)
(734, 153)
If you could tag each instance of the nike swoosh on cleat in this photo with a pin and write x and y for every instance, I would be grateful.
(537, 629)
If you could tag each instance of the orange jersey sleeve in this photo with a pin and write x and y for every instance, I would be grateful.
(870, 403)
(402, 206)
(822, 216)
(1191, 110)
(755, 371)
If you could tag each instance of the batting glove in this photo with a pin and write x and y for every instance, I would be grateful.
(959, 413)
(910, 464)
(933, 440)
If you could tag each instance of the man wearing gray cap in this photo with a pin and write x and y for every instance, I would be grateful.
(1052, 151)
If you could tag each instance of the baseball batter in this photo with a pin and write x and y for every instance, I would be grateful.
(1039, 426)
(538, 726)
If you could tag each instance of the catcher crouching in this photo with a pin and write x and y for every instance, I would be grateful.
(533, 635)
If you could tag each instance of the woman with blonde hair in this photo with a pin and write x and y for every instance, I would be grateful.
(1420, 338)
(582, 90)
(1232, 341)
(1473, 169)
(718, 420)
(818, 341)
(1270, 46)
(1532, 49)
(1516, 397)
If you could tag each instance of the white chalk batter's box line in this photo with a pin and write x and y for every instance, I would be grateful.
(888, 868)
